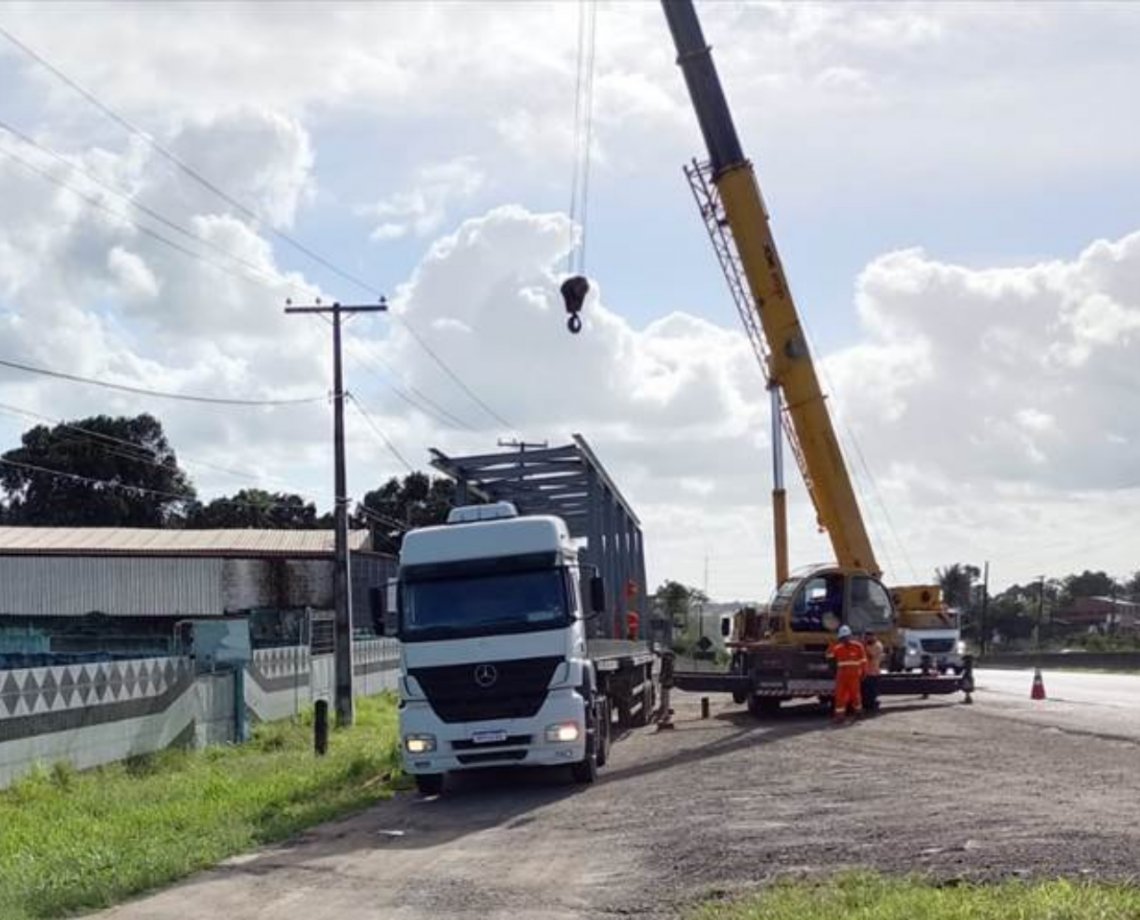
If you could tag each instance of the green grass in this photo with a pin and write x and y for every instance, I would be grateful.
(72, 841)
(875, 897)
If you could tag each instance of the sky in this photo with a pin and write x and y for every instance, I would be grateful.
(952, 188)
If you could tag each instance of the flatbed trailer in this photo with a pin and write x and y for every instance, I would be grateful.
(629, 678)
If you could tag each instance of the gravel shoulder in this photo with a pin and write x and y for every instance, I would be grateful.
(993, 790)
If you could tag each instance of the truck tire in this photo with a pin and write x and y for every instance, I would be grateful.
(585, 771)
(603, 735)
(428, 784)
(763, 707)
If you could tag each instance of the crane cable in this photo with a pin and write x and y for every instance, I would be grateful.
(575, 287)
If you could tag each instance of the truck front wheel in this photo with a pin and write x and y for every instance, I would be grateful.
(429, 783)
(586, 771)
(603, 734)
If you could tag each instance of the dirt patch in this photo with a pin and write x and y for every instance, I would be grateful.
(718, 805)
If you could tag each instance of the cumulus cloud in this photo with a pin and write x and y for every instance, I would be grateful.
(1008, 374)
(986, 401)
(422, 208)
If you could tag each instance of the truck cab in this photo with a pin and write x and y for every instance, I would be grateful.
(495, 669)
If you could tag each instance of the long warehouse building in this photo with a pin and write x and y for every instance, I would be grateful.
(122, 591)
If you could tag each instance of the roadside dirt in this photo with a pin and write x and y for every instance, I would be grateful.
(718, 805)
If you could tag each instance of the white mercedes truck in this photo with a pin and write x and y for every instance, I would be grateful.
(496, 666)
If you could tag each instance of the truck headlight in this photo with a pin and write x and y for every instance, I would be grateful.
(419, 744)
(563, 731)
(961, 648)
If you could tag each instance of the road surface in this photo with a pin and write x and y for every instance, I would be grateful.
(1086, 702)
(717, 806)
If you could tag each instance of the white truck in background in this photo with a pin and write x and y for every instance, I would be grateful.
(496, 667)
(943, 648)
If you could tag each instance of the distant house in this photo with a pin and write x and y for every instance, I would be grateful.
(124, 590)
(1102, 613)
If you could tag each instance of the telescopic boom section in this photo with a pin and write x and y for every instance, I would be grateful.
(790, 363)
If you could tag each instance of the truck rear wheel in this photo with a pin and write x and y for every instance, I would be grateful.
(763, 707)
(429, 783)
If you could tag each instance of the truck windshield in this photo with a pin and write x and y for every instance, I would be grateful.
(508, 602)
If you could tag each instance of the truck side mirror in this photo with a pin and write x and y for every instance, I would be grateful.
(597, 594)
(726, 628)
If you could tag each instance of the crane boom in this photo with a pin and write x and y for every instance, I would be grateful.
(789, 360)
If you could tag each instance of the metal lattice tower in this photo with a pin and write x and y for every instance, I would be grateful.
(705, 193)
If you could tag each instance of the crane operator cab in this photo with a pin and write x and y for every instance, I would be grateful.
(822, 600)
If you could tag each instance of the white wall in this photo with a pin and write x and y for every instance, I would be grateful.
(94, 714)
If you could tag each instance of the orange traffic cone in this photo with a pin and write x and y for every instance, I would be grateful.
(1038, 691)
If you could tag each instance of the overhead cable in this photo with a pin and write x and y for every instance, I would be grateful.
(161, 394)
(380, 434)
(246, 210)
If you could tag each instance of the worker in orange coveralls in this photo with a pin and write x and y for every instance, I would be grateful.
(850, 663)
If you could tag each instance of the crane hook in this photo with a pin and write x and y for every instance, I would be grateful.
(574, 291)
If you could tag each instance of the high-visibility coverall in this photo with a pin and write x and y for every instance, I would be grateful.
(851, 661)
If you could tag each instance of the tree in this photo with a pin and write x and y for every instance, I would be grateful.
(415, 501)
(256, 508)
(95, 472)
(1088, 584)
(957, 583)
(676, 602)
(1133, 586)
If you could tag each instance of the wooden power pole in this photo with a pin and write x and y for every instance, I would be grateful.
(342, 594)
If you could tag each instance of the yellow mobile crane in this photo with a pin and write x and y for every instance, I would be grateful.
(781, 655)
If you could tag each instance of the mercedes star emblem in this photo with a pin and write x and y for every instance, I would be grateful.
(486, 675)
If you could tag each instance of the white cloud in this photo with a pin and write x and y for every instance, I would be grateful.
(422, 209)
(990, 402)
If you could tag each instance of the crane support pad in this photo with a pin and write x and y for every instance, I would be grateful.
(921, 684)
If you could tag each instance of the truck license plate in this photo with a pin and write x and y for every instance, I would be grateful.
(495, 737)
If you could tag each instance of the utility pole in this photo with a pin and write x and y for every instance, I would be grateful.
(523, 445)
(985, 606)
(342, 595)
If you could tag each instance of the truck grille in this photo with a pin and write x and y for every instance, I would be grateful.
(465, 692)
(491, 757)
(465, 744)
(938, 646)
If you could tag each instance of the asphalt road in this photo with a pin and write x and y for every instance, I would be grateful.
(1086, 702)
(1002, 788)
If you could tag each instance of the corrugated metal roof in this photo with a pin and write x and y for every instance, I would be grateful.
(139, 541)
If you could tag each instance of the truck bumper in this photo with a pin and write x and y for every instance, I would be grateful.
(494, 742)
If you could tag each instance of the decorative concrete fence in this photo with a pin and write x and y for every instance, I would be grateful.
(92, 714)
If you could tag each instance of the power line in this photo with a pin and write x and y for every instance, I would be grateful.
(425, 403)
(257, 270)
(97, 436)
(377, 430)
(103, 483)
(205, 182)
(255, 274)
(183, 397)
(450, 373)
(142, 490)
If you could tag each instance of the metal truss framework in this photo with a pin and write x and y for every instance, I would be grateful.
(571, 483)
